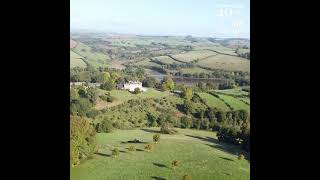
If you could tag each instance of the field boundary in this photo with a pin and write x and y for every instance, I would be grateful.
(217, 96)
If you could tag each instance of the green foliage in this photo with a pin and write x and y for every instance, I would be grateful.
(80, 107)
(131, 148)
(156, 138)
(108, 85)
(241, 157)
(82, 140)
(167, 83)
(167, 128)
(136, 91)
(115, 152)
(174, 164)
(150, 82)
(186, 122)
(188, 107)
(186, 177)
(149, 147)
(187, 94)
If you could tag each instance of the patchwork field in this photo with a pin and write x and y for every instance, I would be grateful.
(213, 101)
(226, 62)
(199, 153)
(194, 70)
(236, 92)
(235, 103)
(76, 60)
(123, 96)
(166, 60)
(94, 58)
(219, 48)
(193, 55)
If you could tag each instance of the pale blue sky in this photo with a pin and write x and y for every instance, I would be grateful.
(214, 18)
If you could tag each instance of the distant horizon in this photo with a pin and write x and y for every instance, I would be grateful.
(204, 18)
(133, 34)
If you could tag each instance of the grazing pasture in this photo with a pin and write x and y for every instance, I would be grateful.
(199, 153)
(225, 62)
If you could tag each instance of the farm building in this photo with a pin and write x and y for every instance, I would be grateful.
(132, 85)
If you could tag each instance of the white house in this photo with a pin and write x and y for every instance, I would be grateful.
(132, 85)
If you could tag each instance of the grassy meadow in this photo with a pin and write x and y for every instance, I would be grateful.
(76, 60)
(199, 154)
(193, 55)
(235, 103)
(213, 101)
(226, 62)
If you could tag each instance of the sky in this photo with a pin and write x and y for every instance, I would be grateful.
(206, 18)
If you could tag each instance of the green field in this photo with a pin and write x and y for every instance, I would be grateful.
(213, 101)
(219, 48)
(226, 62)
(193, 55)
(122, 96)
(166, 60)
(235, 103)
(76, 60)
(199, 153)
(194, 70)
(236, 92)
(94, 58)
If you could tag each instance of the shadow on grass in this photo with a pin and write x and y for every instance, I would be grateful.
(139, 150)
(226, 158)
(150, 130)
(160, 165)
(207, 139)
(158, 178)
(133, 141)
(123, 151)
(102, 154)
(232, 149)
(229, 148)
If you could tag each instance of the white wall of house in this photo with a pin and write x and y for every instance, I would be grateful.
(132, 85)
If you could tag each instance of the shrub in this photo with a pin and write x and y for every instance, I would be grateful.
(186, 177)
(174, 164)
(241, 157)
(115, 152)
(186, 122)
(156, 138)
(110, 99)
(149, 147)
(136, 91)
(166, 128)
(132, 148)
(82, 139)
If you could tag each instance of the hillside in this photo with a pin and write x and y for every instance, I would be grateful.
(199, 153)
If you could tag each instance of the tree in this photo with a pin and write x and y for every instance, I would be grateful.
(131, 148)
(186, 122)
(188, 107)
(156, 138)
(187, 93)
(136, 91)
(115, 152)
(167, 83)
(82, 139)
(149, 147)
(241, 157)
(149, 82)
(106, 77)
(174, 164)
(108, 85)
(73, 94)
(186, 177)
